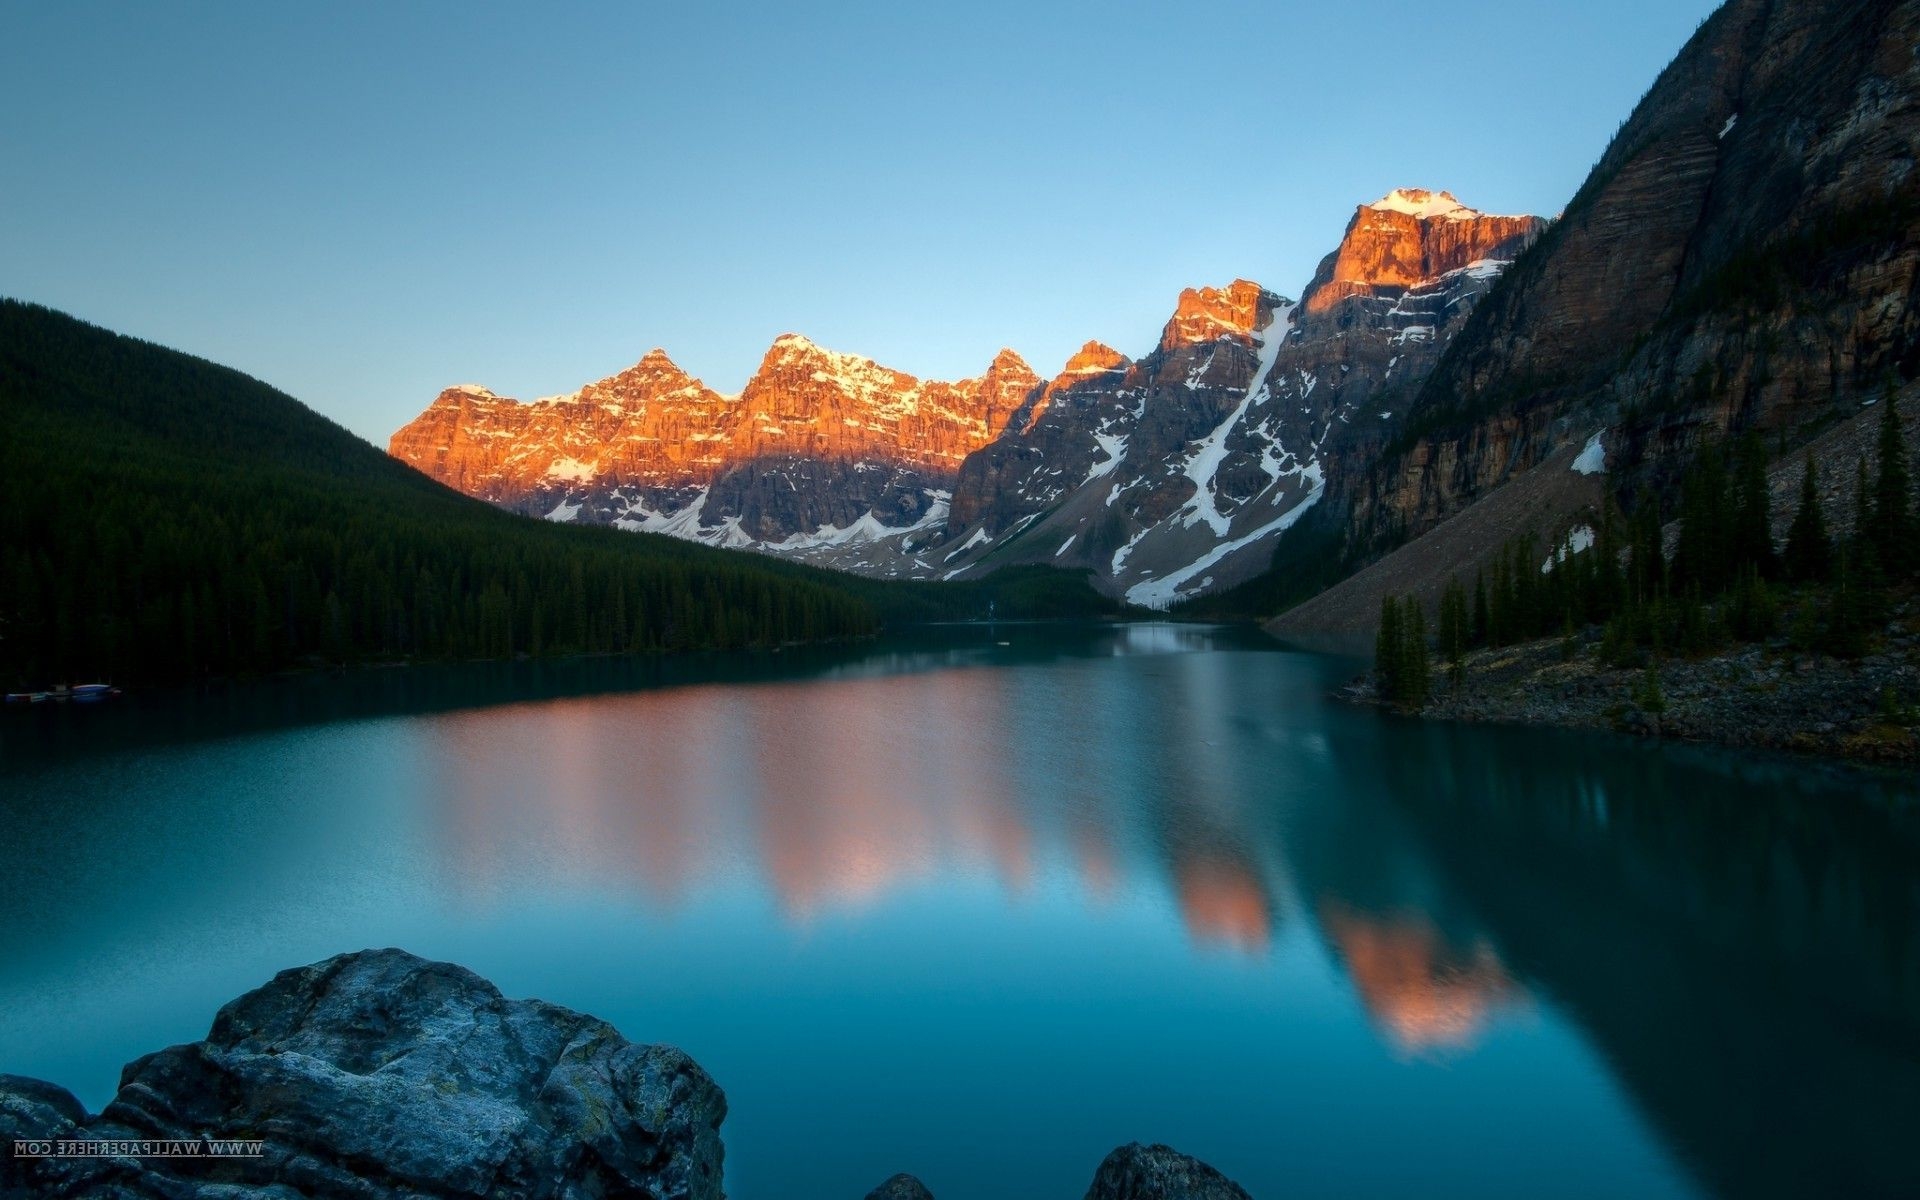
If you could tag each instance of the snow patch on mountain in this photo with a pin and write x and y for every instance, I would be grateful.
(1579, 540)
(867, 528)
(1209, 452)
(1161, 593)
(1114, 446)
(1593, 457)
(1418, 202)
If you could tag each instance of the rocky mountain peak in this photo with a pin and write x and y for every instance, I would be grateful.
(1423, 204)
(791, 346)
(1208, 314)
(1411, 238)
(1094, 358)
(655, 372)
(1007, 381)
(1009, 362)
(793, 351)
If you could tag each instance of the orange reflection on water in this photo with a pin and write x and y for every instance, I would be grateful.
(1424, 993)
(832, 795)
(1221, 900)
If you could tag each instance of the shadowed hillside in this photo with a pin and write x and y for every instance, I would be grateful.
(164, 518)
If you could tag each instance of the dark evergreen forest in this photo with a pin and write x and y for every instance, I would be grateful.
(163, 518)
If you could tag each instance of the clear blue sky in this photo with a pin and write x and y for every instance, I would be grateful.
(364, 203)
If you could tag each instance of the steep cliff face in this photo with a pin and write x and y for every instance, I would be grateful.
(1409, 238)
(1746, 254)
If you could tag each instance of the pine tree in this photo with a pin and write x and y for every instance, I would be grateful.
(1704, 554)
(1863, 557)
(1809, 557)
(1418, 684)
(1607, 588)
(1454, 631)
(1647, 564)
(1892, 529)
(1482, 627)
(1387, 646)
(1752, 533)
(1845, 632)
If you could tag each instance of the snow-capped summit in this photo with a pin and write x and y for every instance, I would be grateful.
(1418, 202)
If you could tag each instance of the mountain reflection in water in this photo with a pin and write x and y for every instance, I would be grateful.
(1040, 888)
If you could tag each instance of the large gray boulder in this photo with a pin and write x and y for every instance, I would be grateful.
(381, 1074)
(901, 1187)
(1136, 1172)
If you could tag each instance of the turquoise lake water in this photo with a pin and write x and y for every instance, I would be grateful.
(981, 904)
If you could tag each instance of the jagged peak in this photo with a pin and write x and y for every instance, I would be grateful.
(1238, 288)
(653, 365)
(1429, 206)
(1093, 358)
(1009, 363)
(799, 345)
(1205, 314)
(1421, 203)
(461, 393)
(854, 373)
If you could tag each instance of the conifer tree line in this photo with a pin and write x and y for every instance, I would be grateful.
(164, 519)
(1401, 661)
(1724, 581)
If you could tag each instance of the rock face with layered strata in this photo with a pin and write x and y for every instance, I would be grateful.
(1745, 255)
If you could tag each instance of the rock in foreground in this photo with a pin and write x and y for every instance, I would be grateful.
(381, 1074)
(1136, 1172)
(901, 1187)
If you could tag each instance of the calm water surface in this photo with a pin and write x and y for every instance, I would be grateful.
(983, 904)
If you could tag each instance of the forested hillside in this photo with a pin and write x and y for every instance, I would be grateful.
(164, 518)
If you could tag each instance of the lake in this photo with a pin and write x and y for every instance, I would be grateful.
(983, 903)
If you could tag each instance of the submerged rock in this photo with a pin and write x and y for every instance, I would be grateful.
(382, 1074)
(1136, 1172)
(901, 1187)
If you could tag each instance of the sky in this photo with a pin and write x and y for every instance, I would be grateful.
(364, 203)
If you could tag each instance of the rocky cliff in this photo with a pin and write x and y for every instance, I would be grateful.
(1746, 254)
(1408, 239)
(1163, 477)
(380, 1075)
(1178, 474)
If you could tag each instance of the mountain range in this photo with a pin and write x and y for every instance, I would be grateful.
(1162, 476)
(1745, 255)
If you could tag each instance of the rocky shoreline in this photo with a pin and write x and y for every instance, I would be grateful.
(380, 1074)
(1769, 697)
